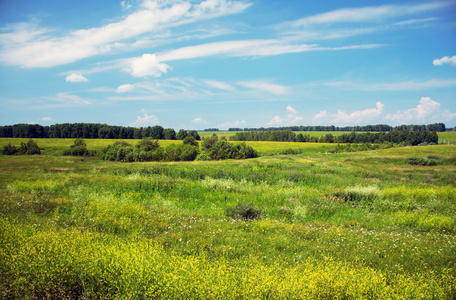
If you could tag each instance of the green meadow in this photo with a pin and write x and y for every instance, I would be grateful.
(317, 225)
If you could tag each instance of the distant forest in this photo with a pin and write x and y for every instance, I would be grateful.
(437, 127)
(412, 138)
(94, 131)
(103, 131)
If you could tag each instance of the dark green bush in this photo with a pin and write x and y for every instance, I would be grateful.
(9, 149)
(244, 211)
(79, 148)
(420, 161)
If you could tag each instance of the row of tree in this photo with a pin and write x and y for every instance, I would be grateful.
(438, 127)
(150, 150)
(412, 138)
(103, 131)
(94, 131)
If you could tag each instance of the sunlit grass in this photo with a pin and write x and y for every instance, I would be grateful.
(351, 226)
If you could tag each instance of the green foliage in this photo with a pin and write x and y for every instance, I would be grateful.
(421, 161)
(190, 140)
(29, 148)
(226, 150)
(244, 211)
(9, 149)
(79, 148)
(208, 142)
(119, 151)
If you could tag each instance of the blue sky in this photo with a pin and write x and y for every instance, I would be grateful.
(227, 63)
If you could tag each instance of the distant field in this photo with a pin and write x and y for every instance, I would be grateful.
(56, 146)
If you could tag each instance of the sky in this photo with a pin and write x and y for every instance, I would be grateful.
(228, 63)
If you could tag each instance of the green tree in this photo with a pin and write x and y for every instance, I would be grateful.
(182, 134)
(169, 134)
(208, 142)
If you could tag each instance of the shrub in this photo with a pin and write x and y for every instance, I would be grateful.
(244, 211)
(290, 151)
(420, 161)
(79, 148)
(30, 148)
(119, 151)
(9, 149)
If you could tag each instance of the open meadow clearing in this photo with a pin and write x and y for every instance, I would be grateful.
(365, 225)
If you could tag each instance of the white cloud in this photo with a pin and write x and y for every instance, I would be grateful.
(321, 115)
(147, 65)
(356, 117)
(394, 86)
(427, 109)
(291, 119)
(269, 47)
(76, 78)
(28, 46)
(146, 120)
(445, 60)
(291, 110)
(46, 119)
(359, 116)
(231, 124)
(199, 121)
(125, 88)
(266, 87)
(367, 14)
(218, 85)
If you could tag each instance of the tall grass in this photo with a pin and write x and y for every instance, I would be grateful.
(351, 226)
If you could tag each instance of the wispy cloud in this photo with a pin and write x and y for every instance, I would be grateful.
(367, 14)
(125, 88)
(394, 86)
(28, 46)
(265, 87)
(219, 85)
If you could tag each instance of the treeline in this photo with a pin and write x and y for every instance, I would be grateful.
(94, 131)
(412, 138)
(150, 150)
(438, 127)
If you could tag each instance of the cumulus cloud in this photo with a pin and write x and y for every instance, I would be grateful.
(425, 109)
(291, 118)
(322, 114)
(125, 88)
(266, 87)
(76, 78)
(356, 117)
(46, 119)
(445, 60)
(199, 121)
(147, 65)
(145, 120)
(231, 124)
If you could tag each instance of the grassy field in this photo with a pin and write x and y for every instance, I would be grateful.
(365, 225)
